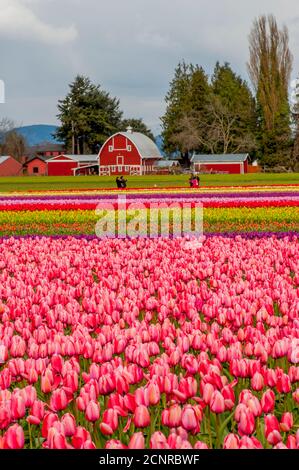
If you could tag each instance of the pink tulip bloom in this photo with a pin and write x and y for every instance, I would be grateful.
(217, 403)
(268, 401)
(14, 437)
(257, 381)
(69, 424)
(158, 441)
(231, 441)
(115, 444)
(80, 437)
(272, 430)
(141, 417)
(137, 441)
(286, 422)
(92, 412)
(190, 420)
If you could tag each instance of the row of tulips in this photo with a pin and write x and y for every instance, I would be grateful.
(149, 343)
(159, 190)
(76, 222)
(78, 204)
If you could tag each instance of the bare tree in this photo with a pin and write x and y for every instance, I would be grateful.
(14, 144)
(217, 130)
(6, 125)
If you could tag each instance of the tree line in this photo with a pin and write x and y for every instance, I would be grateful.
(89, 115)
(223, 114)
(218, 114)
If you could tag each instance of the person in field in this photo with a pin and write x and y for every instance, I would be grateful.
(123, 182)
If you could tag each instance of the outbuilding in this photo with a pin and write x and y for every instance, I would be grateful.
(9, 166)
(37, 166)
(222, 163)
(70, 165)
(128, 153)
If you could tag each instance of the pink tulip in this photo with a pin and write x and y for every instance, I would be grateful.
(231, 441)
(92, 412)
(217, 403)
(14, 437)
(141, 417)
(137, 441)
(189, 418)
(272, 430)
(80, 437)
(268, 401)
(286, 422)
(158, 441)
(257, 381)
(69, 424)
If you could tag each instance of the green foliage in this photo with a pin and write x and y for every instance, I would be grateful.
(208, 117)
(88, 116)
(186, 99)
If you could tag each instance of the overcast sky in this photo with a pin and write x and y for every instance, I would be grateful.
(130, 47)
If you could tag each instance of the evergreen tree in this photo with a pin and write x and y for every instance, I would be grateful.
(88, 116)
(138, 126)
(232, 111)
(185, 105)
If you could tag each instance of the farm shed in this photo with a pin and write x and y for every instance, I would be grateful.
(222, 163)
(70, 165)
(10, 167)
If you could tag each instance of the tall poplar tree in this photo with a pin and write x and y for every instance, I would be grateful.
(269, 67)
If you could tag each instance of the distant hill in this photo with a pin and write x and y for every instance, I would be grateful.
(159, 143)
(38, 134)
(41, 133)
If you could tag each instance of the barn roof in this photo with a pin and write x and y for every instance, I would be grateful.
(220, 158)
(83, 158)
(38, 157)
(3, 159)
(75, 158)
(146, 147)
(166, 163)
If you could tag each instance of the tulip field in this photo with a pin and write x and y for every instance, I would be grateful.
(150, 343)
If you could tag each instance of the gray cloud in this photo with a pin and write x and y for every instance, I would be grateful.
(131, 48)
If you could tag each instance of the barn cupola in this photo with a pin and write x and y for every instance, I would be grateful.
(130, 130)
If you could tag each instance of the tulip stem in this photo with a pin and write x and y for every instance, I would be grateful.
(209, 428)
(217, 431)
(30, 436)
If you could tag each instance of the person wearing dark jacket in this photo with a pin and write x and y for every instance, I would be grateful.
(118, 182)
(123, 182)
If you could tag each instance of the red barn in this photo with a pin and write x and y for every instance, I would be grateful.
(37, 166)
(128, 153)
(70, 165)
(226, 163)
(10, 167)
